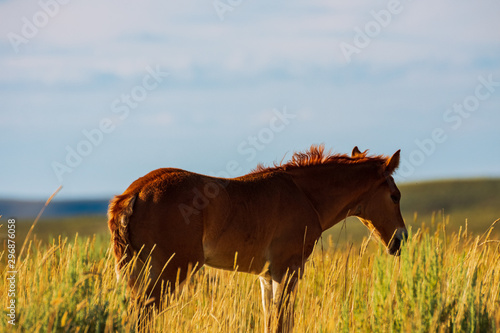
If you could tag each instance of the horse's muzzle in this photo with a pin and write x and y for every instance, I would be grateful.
(394, 246)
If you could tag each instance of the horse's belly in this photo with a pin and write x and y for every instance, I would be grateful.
(234, 258)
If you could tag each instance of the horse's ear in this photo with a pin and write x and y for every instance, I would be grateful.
(392, 163)
(356, 152)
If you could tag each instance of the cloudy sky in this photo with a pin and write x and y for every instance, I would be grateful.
(95, 94)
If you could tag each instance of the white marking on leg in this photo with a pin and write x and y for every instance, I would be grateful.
(267, 297)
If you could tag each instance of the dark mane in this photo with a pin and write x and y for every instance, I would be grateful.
(316, 155)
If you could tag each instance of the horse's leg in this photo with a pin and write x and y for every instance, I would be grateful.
(169, 277)
(267, 298)
(171, 248)
(284, 297)
(161, 281)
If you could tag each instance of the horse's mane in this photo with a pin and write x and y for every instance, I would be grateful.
(316, 155)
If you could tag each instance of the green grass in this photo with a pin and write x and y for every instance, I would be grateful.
(66, 286)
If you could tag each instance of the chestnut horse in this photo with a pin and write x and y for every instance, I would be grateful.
(266, 222)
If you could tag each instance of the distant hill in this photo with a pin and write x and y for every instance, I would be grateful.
(477, 200)
(29, 209)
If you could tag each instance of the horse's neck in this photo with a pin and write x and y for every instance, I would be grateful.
(334, 190)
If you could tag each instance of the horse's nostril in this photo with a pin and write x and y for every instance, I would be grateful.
(400, 236)
(404, 235)
(394, 246)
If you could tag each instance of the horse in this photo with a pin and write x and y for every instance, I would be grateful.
(266, 222)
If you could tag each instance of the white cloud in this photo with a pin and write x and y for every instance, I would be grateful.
(111, 37)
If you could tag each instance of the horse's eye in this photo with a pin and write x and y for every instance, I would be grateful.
(395, 198)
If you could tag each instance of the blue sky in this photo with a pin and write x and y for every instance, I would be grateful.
(131, 87)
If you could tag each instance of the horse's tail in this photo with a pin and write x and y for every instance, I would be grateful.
(119, 212)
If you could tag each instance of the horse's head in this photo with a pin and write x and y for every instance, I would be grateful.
(379, 208)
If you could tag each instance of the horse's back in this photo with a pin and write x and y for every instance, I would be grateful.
(161, 196)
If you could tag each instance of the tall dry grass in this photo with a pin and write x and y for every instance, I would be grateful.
(440, 283)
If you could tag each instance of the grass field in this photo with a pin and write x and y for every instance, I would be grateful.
(447, 279)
